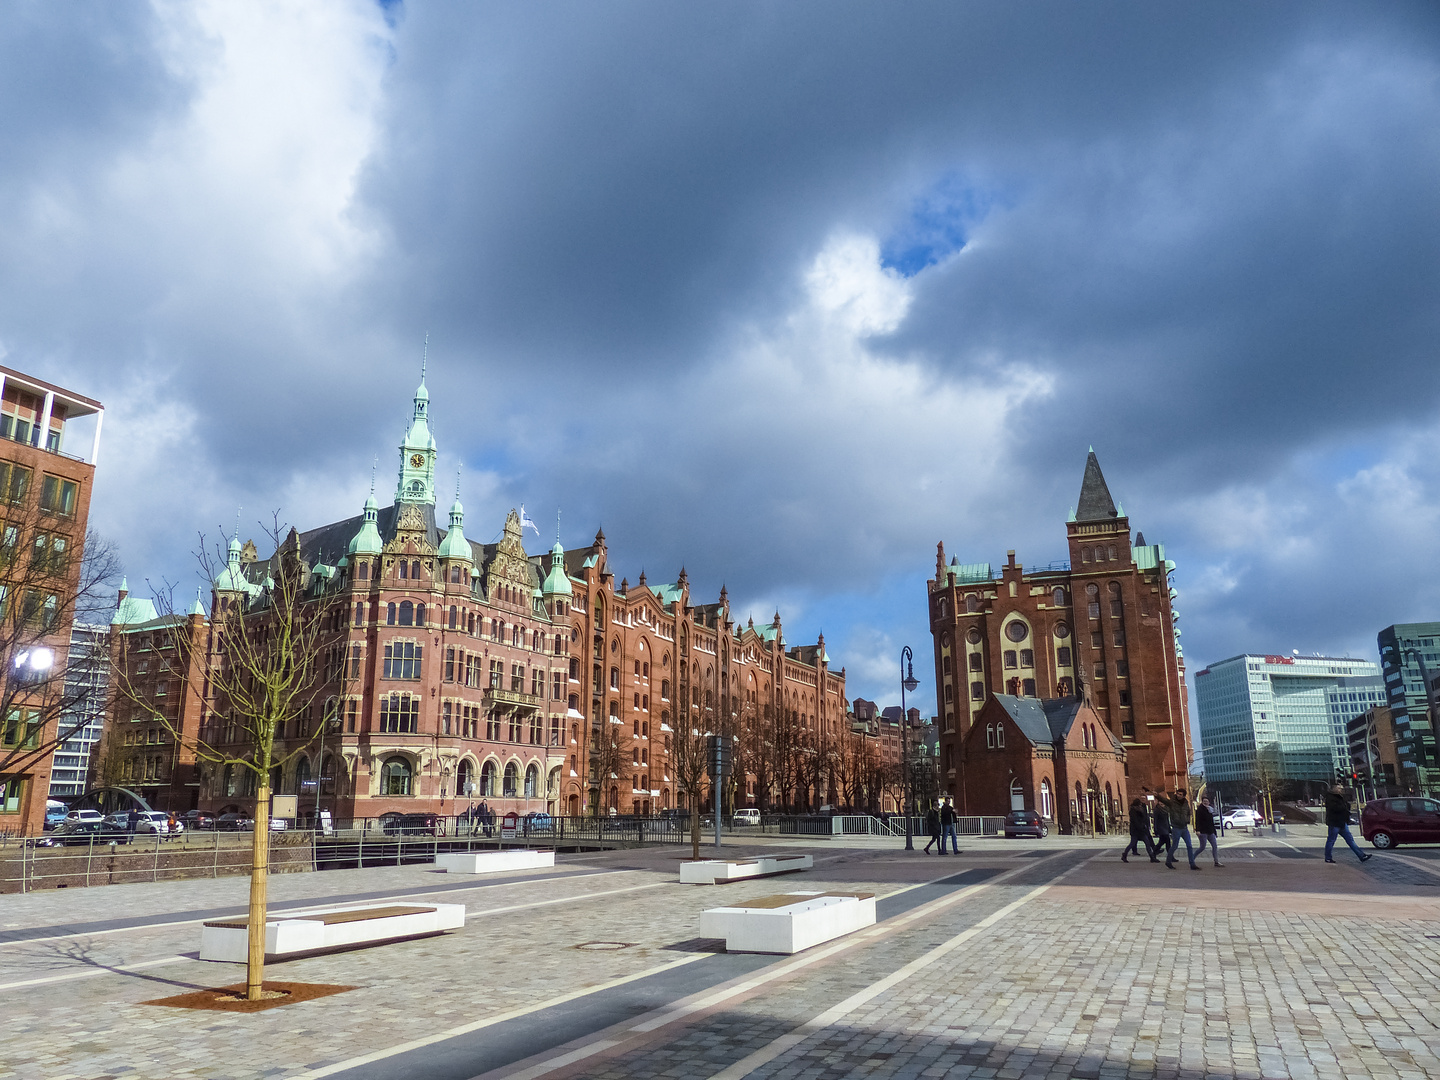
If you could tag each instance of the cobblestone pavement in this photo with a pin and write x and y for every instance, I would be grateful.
(1275, 965)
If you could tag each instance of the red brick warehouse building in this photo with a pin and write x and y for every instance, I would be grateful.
(1100, 627)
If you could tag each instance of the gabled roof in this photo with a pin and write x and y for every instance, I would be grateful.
(1042, 721)
(1095, 501)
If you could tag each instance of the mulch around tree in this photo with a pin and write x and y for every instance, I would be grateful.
(232, 998)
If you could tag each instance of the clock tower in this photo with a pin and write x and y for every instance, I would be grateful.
(417, 453)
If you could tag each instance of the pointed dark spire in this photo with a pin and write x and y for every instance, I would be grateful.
(624, 586)
(1139, 539)
(642, 577)
(600, 537)
(1095, 501)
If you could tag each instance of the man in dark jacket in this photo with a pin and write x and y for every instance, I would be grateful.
(947, 827)
(1178, 807)
(1205, 829)
(932, 826)
(1160, 817)
(1139, 832)
(1337, 816)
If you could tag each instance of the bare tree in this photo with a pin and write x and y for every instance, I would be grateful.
(265, 662)
(689, 761)
(605, 761)
(47, 583)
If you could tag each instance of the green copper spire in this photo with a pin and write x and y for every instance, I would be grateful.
(197, 608)
(455, 546)
(417, 449)
(367, 541)
(557, 582)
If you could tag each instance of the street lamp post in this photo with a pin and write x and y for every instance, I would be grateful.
(907, 682)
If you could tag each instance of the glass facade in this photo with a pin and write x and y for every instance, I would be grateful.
(87, 678)
(1273, 713)
(1409, 653)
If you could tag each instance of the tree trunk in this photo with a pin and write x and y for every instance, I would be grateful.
(695, 829)
(259, 871)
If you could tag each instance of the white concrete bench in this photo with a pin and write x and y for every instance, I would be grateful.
(287, 935)
(488, 862)
(722, 872)
(788, 923)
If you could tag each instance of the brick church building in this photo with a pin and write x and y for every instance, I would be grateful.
(1099, 627)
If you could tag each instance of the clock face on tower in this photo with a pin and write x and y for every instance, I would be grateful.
(417, 460)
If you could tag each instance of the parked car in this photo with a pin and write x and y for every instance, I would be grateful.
(748, 815)
(1025, 823)
(234, 823)
(82, 833)
(1388, 823)
(1241, 817)
(84, 815)
(156, 822)
(412, 825)
(538, 821)
(54, 816)
(199, 819)
(119, 820)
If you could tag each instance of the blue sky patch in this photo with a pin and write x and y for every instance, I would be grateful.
(938, 224)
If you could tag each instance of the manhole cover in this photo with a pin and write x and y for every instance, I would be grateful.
(605, 946)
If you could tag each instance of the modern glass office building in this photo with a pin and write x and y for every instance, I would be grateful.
(86, 680)
(1409, 657)
(1274, 713)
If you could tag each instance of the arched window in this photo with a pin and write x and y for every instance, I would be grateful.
(949, 691)
(1017, 795)
(512, 781)
(229, 782)
(472, 624)
(972, 603)
(402, 569)
(574, 703)
(1059, 598)
(303, 781)
(942, 607)
(615, 645)
(487, 779)
(364, 572)
(390, 614)
(360, 613)
(532, 782)
(407, 613)
(1000, 736)
(419, 614)
(454, 616)
(415, 570)
(395, 777)
(1047, 800)
(1084, 555)
(945, 665)
(1111, 552)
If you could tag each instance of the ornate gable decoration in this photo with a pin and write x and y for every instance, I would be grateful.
(410, 529)
(510, 563)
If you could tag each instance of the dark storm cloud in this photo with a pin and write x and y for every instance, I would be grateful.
(650, 244)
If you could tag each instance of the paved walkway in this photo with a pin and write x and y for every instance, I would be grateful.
(1013, 959)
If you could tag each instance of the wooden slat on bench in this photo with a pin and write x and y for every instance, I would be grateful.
(330, 918)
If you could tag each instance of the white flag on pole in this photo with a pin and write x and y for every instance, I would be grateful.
(525, 520)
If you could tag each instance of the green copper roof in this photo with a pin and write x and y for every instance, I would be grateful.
(1148, 556)
(133, 610)
(198, 608)
(557, 582)
(455, 546)
(970, 573)
(367, 541)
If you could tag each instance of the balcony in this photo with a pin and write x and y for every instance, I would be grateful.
(511, 700)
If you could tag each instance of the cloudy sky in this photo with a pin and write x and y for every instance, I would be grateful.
(784, 293)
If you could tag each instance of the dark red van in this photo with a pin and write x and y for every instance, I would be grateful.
(1388, 823)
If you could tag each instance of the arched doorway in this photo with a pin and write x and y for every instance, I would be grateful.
(396, 777)
(512, 781)
(488, 776)
(1017, 795)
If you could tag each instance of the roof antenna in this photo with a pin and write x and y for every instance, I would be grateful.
(374, 464)
(557, 526)
(424, 357)
(237, 523)
(458, 467)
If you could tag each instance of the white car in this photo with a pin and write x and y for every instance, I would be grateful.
(153, 821)
(1242, 818)
(747, 816)
(83, 815)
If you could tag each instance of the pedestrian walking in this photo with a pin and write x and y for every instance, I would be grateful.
(947, 826)
(1139, 832)
(1205, 829)
(1337, 816)
(932, 826)
(1177, 806)
(1160, 822)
